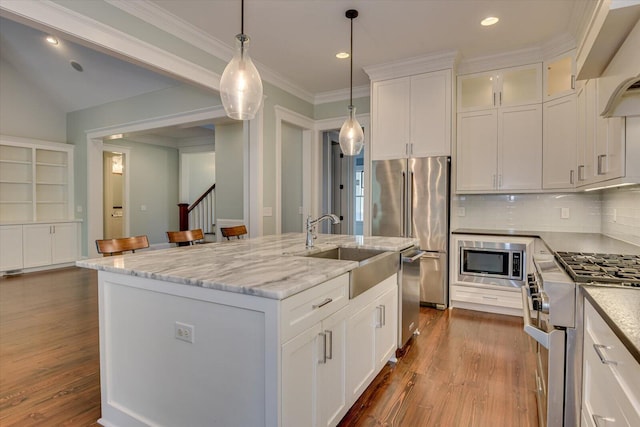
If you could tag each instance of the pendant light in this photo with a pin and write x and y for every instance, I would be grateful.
(240, 84)
(351, 136)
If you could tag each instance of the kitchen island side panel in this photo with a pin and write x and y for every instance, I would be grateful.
(227, 376)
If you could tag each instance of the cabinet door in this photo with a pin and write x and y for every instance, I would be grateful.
(360, 351)
(585, 147)
(36, 241)
(559, 76)
(520, 86)
(386, 326)
(332, 403)
(559, 143)
(390, 119)
(477, 91)
(477, 155)
(520, 148)
(64, 243)
(299, 378)
(10, 247)
(615, 156)
(431, 114)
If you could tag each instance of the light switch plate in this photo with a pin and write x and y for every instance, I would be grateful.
(462, 211)
(564, 213)
(267, 211)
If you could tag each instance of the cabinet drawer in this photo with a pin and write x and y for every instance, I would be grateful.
(303, 310)
(493, 297)
(622, 366)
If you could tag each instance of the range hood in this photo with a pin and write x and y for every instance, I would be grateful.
(610, 53)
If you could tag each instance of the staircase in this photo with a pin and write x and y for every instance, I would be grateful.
(200, 214)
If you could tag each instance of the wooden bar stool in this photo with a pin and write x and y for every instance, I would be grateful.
(186, 237)
(109, 247)
(238, 231)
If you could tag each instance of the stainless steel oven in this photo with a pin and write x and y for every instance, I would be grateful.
(495, 263)
(548, 303)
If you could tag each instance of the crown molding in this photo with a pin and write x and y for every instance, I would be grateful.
(49, 15)
(501, 60)
(341, 95)
(412, 66)
(558, 45)
(171, 24)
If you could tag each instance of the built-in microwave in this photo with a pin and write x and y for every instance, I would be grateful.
(494, 263)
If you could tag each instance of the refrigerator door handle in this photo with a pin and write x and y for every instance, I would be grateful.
(403, 205)
(431, 255)
(409, 218)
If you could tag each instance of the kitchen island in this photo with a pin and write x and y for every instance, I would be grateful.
(242, 333)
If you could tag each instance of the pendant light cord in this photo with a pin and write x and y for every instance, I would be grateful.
(351, 67)
(242, 17)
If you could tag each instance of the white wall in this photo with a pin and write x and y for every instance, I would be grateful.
(621, 214)
(26, 111)
(539, 212)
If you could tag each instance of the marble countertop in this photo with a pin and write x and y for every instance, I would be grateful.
(620, 308)
(269, 266)
(570, 242)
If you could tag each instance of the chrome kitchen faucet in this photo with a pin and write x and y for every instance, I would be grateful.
(311, 225)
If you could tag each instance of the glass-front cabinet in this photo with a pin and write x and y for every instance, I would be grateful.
(508, 87)
(560, 76)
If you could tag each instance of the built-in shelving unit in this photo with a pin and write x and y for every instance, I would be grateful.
(36, 180)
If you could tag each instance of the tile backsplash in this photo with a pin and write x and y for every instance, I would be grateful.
(614, 212)
(621, 214)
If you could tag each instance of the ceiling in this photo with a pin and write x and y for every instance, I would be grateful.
(295, 40)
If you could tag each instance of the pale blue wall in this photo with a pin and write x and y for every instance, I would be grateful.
(229, 171)
(291, 178)
(26, 111)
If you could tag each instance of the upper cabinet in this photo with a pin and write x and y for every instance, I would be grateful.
(36, 180)
(499, 138)
(411, 116)
(509, 87)
(559, 143)
(559, 76)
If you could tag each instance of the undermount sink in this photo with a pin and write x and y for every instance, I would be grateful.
(375, 266)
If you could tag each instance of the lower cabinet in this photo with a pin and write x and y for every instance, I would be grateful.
(326, 367)
(313, 374)
(484, 298)
(38, 245)
(10, 247)
(48, 244)
(610, 379)
(371, 335)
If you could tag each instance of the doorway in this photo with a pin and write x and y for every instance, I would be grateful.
(343, 188)
(114, 194)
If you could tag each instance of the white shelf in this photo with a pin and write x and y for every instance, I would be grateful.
(15, 162)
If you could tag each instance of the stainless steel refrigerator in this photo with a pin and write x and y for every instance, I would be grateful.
(410, 198)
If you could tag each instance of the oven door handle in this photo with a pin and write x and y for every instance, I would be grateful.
(544, 338)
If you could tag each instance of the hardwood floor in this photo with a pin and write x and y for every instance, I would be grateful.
(49, 357)
(465, 369)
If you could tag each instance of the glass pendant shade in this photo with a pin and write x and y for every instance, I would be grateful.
(240, 84)
(351, 136)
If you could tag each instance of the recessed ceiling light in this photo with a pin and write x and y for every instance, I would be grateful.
(342, 55)
(489, 21)
(51, 40)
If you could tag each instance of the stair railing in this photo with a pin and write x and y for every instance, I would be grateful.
(200, 214)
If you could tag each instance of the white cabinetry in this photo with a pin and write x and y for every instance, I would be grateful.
(500, 150)
(10, 247)
(371, 335)
(49, 244)
(36, 180)
(411, 116)
(499, 138)
(559, 76)
(611, 376)
(559, 143)
(340, 349)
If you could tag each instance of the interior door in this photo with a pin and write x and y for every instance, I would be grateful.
(113, 195)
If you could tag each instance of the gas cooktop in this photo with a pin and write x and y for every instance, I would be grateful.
(602, 268)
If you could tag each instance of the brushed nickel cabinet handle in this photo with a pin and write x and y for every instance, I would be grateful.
(573, 81)
(603, 359)
(323, 303)
(571, 173)
(601, 158)
(324, 348)
(329, 336)
(580, 172)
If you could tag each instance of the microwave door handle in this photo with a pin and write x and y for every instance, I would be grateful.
(537, 334)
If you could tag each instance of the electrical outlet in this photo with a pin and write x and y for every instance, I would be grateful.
(564, 214)
(615, 215)
(462, 211)
(143, 207)
(184, 332)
